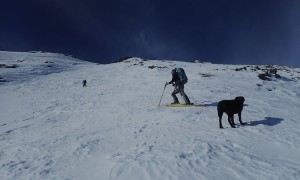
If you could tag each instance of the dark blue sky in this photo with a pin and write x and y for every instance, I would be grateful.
(219, 31)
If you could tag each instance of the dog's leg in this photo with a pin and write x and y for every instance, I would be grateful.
(220, 123)
(240, 118)
(230, 120)
(220, 114)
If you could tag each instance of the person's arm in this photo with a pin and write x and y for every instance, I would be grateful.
(174, 78)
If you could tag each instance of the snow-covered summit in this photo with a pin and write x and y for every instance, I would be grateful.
(53, 128)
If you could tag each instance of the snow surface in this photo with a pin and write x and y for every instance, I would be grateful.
(53, 128)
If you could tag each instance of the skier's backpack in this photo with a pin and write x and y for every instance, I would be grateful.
(182, 76)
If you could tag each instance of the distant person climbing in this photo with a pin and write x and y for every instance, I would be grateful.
(179, 78)
(84, 83)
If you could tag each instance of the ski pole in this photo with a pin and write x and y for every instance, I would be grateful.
(162, 95)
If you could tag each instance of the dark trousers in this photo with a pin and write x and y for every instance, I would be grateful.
(179, 88)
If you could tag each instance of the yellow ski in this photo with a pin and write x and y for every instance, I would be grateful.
(184, 105)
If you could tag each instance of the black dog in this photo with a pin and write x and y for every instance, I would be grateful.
(231, 107)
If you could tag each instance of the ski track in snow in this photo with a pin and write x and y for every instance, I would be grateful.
(52, 128)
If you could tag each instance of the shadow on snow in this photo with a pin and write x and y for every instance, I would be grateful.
(208, 104)
(268, 121)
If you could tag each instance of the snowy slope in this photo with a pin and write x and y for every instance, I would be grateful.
(53, 128)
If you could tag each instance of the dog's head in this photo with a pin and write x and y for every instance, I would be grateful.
(240, 99)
